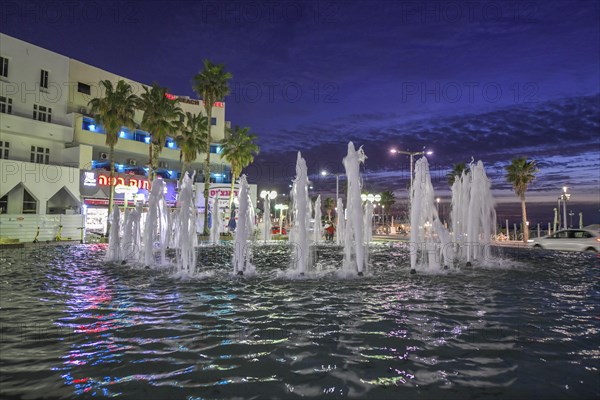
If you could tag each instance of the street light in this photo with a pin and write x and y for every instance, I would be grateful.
(412, 155)
(571, 213)
(565, 198)
(337, 183)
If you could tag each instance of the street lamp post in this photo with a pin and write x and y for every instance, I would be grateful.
(412, 155)
(571, 213)
(565, 196)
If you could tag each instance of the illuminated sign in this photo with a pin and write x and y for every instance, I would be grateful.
(182, 99)
(221, 193)
(218, 104)
(89, 178)
(118, 180)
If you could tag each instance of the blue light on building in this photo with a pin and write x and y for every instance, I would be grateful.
(92, 127)
(122, 134)
(147, 139)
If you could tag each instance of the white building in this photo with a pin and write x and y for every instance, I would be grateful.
(39, 173)
(49, 143)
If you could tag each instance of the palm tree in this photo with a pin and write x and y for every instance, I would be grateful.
(239, 149)
(114, 111)
(329, 206)
(520, 173)
(387, 200)
(191, 139)
(162, 116)
(211, 85)
(457, 171)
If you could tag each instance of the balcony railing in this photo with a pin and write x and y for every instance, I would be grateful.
(138, 135)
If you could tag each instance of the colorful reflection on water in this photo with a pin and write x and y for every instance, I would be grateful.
(74, 327)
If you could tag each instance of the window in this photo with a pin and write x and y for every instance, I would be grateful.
(582, 235)
(44, 79)
(83, 88)
(4, 204)
(29, 203)
(40, 155)
(4, 150)
(42, 113)
(5, 105)
(213, 121)
(4, 67)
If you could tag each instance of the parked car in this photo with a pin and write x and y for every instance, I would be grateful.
(275, 231)
(569, 240)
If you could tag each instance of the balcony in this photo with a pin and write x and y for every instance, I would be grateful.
(88, 124)
(24, 124)
(164, 173)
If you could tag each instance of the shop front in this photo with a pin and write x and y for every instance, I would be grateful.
(221, 192)
(130, 190)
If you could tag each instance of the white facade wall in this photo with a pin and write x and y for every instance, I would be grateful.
(54, 183)
(23, 82)
(55, 186)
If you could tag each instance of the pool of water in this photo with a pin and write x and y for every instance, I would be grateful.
(73, 326)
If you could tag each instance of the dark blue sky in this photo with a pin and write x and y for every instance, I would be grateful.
(489, 80)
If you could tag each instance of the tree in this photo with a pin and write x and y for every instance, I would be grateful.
(211, 85)
(191, 139)
(113, 111)
(520, 173)
(162, 116)
(387, 200)
(239, 149)
(329, 206)
(457, 171)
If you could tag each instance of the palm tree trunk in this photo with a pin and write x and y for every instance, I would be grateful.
(155, 154)
(232, 189)
(525, 227)
(111, 186)
(208, 106)
(150, 164)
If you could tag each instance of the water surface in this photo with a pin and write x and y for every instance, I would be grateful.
(73, 326)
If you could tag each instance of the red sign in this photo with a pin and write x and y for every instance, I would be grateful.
(119, 180)
(219, 104)
(221, 193)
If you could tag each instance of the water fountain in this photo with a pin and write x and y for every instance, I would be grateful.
(473, 215)
(245, 225)
(215, 220)
(354, 251)
(432, 246)
(156, 224)
(299, 232)
(341, 222)
(132, 234)
(318, 229)
(186, 226)
(429, 239)
(113, 252)
(266, 234)
(368, 221)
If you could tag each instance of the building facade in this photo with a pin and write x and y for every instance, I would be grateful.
(53, 155)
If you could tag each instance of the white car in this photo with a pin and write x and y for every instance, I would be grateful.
(569, 240)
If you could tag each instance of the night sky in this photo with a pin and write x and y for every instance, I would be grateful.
(483, 80)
